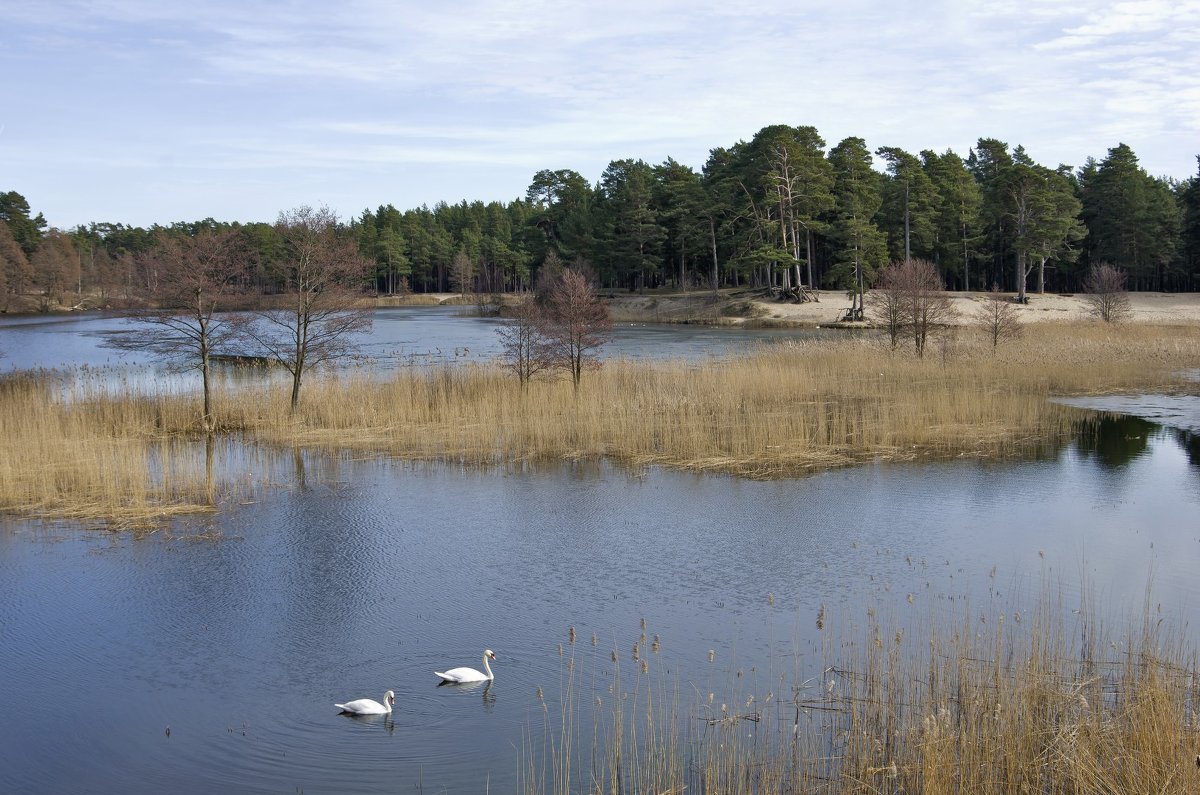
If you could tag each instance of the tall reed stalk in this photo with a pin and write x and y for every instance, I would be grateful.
(951, 703)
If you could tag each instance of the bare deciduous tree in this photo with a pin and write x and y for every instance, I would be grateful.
(576, 322)
(998, 317)
(15, 273)
(462, 272)
(913, 301)
(887, 305)
(194, 279)
(322, 307)
(56, 269)
(1105, 293)
(526, 349)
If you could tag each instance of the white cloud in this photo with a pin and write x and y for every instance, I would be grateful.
(272, 93)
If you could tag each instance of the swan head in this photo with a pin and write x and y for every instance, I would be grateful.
(491, 655)
(390, 697)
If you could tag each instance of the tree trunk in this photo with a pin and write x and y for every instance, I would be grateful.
(205, 370)
(810, 245)
(966, 261)
(296, 389)
(712, 237)
(796, 255)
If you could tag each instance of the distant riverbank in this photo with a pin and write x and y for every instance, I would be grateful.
(757, 308)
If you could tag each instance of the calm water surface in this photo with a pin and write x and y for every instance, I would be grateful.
(399, 337)
(238, 633)
(208, 656)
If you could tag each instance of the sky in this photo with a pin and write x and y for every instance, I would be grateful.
(155, 111)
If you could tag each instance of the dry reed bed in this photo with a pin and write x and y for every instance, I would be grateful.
(104, 460)
(779, 411)
(967, 704)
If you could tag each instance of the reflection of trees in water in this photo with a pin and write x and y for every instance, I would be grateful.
(1114, 439)
(1047, 448)
(1190, 442)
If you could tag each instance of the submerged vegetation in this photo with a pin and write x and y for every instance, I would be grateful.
(957, 702)
(778, 411)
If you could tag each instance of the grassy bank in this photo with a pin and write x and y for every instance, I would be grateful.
(986, 702)
(778, 411)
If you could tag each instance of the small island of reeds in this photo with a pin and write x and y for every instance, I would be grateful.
(779, 411)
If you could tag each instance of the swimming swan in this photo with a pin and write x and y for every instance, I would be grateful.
(456, 675)
(367, 706)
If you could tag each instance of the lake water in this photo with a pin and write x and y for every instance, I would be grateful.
(399, 337)
(208, 656)
(75, 347)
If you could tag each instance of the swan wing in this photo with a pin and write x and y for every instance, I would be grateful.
(362, 706)
(461, 675)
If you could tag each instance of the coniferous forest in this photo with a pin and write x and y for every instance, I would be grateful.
(783, 209)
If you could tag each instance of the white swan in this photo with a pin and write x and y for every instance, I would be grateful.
(456, 675)
(368, 706)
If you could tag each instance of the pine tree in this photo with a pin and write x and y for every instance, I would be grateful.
(989, 162)
(957, 220)
(910, 206)
(1132, 219)
(860, 247)
(1189, 200)
(631, 229)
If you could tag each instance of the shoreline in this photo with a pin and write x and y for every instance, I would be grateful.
(754, 308)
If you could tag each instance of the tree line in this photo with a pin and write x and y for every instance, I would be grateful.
(781, 210)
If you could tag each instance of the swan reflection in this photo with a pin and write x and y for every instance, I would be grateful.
(387, 722)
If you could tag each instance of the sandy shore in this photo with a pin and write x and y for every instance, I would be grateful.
(755, 308)
(747, 307)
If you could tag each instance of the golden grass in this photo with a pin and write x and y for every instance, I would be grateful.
(96, 460)
(970, 703)
(778, 411)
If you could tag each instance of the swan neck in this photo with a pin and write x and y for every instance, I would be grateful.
(487, 668)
